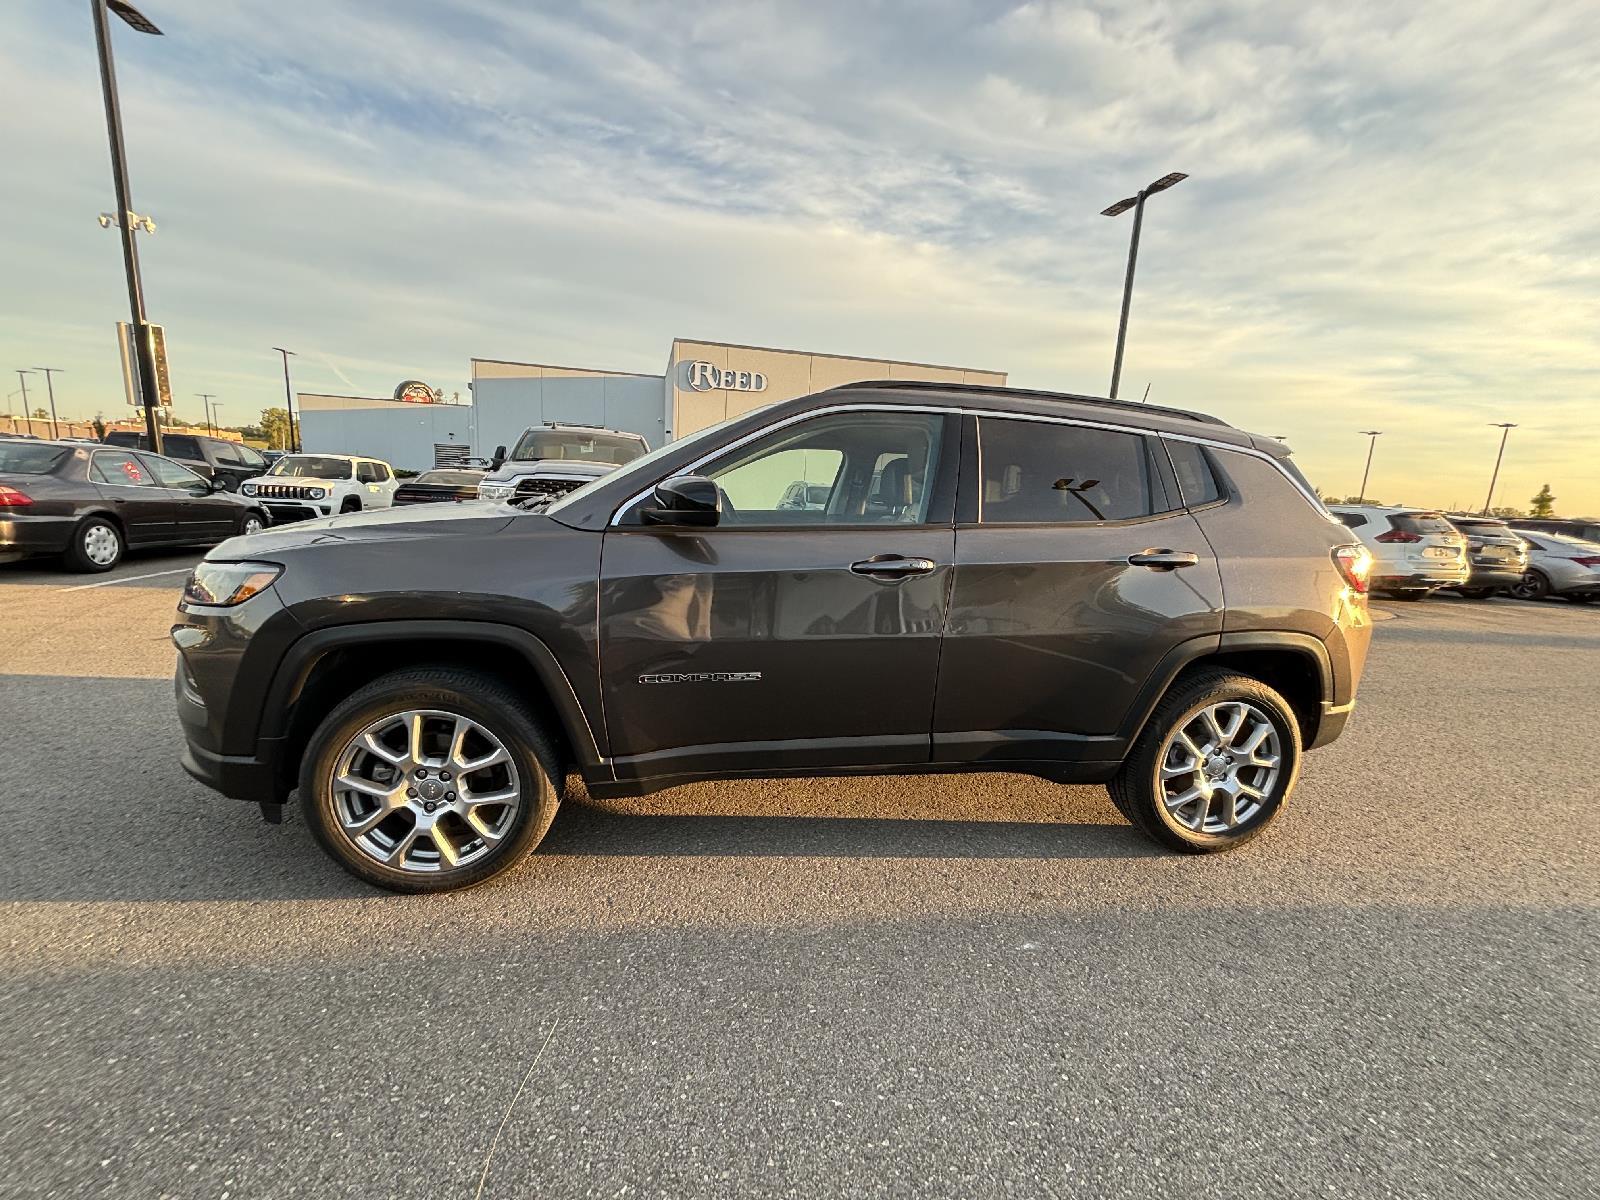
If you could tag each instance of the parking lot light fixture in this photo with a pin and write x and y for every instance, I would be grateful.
(1135, 202)
(1505, 428)
(1373, 434)
(288, 396)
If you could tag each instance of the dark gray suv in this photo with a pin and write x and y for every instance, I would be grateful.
(980, 579)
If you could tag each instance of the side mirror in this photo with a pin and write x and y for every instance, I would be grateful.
(216, 484)
(499, 459)
(685, 500)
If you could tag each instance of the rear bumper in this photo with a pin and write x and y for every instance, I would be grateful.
(1331, 723)
(35, 535)
(1495, 577)
(1420, 579)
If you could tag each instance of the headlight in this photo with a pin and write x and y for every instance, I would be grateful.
(248, 489)
(317, 493)
(225, 584)
(494, 491)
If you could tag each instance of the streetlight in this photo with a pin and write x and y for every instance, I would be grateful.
(1373, 434)
(1135, 202)
(288, 396)
(1505, 428)
(126, 221)
(50, 385)
(205, 401)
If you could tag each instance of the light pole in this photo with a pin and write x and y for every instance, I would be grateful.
(1135, 202)
(27, 413)
(1374, 435)
(50, 386)
(1505, 428)
(205, 401)
(125, 219)
(288, 396)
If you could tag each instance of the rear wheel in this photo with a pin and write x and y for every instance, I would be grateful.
(1534, 585)
(96, 545)
(1214, 765)
(429, 780)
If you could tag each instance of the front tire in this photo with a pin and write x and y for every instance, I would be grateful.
(1213, 766)
(97, 545)
(430, 780)
(351, 504)
(251, 523)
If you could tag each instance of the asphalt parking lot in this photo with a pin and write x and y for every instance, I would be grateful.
(967, 987)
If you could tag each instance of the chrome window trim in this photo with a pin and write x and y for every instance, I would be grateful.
(967, 411)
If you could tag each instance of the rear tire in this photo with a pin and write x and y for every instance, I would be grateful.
(97, 545)
(1236, 797)
(1534, 585)
(431, 843)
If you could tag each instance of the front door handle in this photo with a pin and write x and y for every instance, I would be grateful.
(1164, 560)
(892, 566)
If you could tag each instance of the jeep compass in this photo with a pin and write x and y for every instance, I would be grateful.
(886, 577)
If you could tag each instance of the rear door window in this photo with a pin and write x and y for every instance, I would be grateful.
(1039, 472)
(181, 445)
(119, 469)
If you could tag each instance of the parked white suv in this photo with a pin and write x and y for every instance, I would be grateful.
(299, 487)
(1415, 551)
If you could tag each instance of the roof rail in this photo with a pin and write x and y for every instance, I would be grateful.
(984, 389)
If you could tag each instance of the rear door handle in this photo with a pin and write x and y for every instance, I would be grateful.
(892, 566)
(1164, 560)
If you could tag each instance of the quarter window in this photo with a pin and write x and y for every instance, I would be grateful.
(1196, 480)
(859, 468)
(1353, 520)
(1042, 472)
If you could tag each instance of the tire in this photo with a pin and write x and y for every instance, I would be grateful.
(1534, 585)
(1200, 826)
(351, 504)
(1478, 593)
(498, 715)
(97, 545)
(251, 522)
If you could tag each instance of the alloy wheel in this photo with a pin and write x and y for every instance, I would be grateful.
(1219, 767)
(101, 545)
(425, 791)
(1531, 586)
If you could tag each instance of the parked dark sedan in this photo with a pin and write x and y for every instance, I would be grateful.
(432, 487)
(91, 504)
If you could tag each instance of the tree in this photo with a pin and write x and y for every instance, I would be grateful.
(41, 414)
(1505, 510)
(1544, 504)
(99, 427)
(275, 427)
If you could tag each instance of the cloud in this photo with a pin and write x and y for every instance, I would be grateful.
(1388, 220)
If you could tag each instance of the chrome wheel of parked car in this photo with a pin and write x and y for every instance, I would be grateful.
(1219, 767)
(1532, 586)
(425, 791)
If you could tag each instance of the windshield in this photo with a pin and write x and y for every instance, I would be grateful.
(640, 468)
(20, 458)
(578, 445)
(310, 466)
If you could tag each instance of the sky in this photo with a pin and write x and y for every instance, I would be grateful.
(1390, 222)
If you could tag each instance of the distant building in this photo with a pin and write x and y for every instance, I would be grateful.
(704, 382)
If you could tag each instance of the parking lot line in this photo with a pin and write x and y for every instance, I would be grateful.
(125, 579)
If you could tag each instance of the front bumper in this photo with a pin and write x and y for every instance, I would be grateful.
(239, 776)
(285, 512)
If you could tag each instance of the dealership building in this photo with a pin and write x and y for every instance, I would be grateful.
(704, 382)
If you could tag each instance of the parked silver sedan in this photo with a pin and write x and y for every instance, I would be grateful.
(1559, 566)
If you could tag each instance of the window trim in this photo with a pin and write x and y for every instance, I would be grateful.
(967, 410)
(1226, 492)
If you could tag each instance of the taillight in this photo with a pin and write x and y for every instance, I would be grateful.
(1355, 564)
(1398, 535)
(11, 498)
(1591, 561)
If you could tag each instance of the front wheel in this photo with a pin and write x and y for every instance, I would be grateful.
(251, 523)
(429, 780)
(1213, 766)
(1534, 585)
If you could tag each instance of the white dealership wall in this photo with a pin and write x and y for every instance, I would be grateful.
(509, 397)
